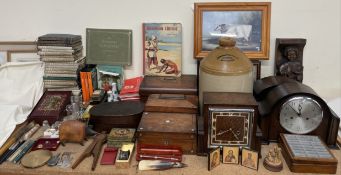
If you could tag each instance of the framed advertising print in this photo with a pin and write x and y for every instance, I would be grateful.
(247, 22)
(231, 155)
(214, 158)
(250, 158)
(162, 49)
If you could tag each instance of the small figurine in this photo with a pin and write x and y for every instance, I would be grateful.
(273, 161)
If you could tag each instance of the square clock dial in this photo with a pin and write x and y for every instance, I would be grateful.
(230, 127)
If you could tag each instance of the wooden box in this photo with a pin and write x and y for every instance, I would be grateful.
(177, 103)
(307, 162)
(173, 129)
(125, 164)
(122, 114)
(186, 84)
(50, 107)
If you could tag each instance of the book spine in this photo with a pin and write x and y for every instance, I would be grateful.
(63, 89)
(84, 86)
(57, 50)
(91, 89)
(61, 75)
(55, 47)
(54, 53)
(59, 78)
(59, 86)
(62, 64)
(57, 59)
(61, 68)
(59, 56)
(60, 72)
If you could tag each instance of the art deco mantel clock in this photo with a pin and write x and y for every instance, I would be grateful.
(230, 119)
(287, 106)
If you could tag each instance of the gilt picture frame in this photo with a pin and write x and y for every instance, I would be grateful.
(249, 158)
(247, 22)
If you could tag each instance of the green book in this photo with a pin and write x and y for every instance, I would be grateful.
(108, 46)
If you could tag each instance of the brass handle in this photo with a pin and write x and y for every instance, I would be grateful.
(165, 142)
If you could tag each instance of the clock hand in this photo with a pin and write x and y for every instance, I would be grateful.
(299, 109)
(235, 135)
(295, 110)
(222, 132)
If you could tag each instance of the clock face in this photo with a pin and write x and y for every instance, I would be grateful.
(300, 115)
(230, 127)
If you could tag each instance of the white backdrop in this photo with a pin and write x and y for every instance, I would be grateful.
(316, 20)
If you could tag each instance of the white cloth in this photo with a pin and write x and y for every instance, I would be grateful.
(21, 86)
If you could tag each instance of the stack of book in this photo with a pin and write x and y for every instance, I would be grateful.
(63, 57)
(130, 89)
(118, 136)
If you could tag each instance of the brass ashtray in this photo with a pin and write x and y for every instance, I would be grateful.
(36, 158)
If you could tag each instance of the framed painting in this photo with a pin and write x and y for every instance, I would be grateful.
(247, 22)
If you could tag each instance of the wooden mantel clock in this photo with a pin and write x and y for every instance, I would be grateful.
(230, 119)
(287, 106)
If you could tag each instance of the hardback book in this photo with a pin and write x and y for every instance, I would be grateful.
(57, 50)
(162, 46)
(63, 38)
(51, 107)
(107, 75)
(54, 47)
(131, 85)
(130, 89)
(109, 46)
(59, 44)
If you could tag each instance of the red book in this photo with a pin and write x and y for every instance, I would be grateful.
(131, 86)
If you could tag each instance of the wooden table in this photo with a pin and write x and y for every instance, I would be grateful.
(196, 165)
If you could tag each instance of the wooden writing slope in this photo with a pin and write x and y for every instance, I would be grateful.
(307, 154)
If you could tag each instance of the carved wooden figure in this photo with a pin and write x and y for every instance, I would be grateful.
(289, 57)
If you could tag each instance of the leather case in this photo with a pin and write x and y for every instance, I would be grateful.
(46, 143)
(109, 156)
